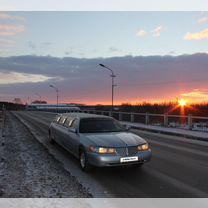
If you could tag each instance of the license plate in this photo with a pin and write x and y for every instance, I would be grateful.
(128, 159)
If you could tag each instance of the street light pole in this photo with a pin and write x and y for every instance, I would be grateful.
(113, 85)
(57, 96)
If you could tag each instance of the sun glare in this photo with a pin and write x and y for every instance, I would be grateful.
(182, 102)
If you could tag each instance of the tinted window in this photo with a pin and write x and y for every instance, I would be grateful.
(94, 125)
(74, 123)
(68, 122)
(62, 120)
(56, 120)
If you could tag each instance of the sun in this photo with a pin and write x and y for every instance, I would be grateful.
(182, 102)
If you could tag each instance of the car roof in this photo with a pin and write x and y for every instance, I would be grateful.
(83, 115)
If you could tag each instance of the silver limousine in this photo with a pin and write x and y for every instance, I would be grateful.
(98, 140)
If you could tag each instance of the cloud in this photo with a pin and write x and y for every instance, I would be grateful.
(11, 30)
(5, 16)
(15, 77)
(197, 36)
(82, 80)
(6, 43)
(196, 95)
(157, 31)
(203, 20)
(141, 33)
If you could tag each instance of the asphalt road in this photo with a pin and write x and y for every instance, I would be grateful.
(177, 169)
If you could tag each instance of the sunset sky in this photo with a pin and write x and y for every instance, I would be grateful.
(157, 56)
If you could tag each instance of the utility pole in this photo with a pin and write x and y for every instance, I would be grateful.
(57, 96)
(112, 86)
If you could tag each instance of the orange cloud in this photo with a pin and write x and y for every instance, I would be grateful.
(197, 36)
(157, 31)
(6, 16)
(197, 95)
(141, 33)
(202, 20)
(10, 30)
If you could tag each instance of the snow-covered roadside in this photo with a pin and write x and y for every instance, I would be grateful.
(1, 157)
(27, 170)
(39, 129)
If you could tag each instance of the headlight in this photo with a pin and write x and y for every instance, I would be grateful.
(143, 147)
(102, 150)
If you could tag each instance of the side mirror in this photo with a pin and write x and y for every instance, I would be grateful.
(73, 130)
(127, 127)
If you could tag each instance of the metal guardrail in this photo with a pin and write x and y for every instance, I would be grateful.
(176, 121)
(198, 123)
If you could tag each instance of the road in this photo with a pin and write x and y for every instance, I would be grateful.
(177, 169)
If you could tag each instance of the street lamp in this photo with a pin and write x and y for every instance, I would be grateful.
(57, 96)
(113, 85)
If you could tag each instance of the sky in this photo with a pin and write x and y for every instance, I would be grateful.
(157, 56)
(107, 5)
(104, 34)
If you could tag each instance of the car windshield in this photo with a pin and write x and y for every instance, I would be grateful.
(99, 125)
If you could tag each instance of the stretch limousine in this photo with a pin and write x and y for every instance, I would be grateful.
(98, 140)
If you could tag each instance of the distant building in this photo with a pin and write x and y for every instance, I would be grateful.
(39, 102)
(17, 101)
(52, 107)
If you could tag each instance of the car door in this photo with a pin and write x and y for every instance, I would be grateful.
(59, 134)
(53, 127)
(70, 135)
(67, 134)
(74, 137)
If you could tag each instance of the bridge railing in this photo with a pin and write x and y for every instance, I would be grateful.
(190, 122)
(175, 121)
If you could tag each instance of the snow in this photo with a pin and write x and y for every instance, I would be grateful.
(27, 170)
(172, 131)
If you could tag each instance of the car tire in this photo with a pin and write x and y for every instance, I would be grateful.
(51, 140)
(83, 161)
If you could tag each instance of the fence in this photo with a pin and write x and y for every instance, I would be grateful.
(190, 122)
(175, 121)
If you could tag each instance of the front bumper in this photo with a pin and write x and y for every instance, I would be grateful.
(114, 160)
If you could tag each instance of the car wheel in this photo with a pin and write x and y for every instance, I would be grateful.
(85, 166)
(51, 140)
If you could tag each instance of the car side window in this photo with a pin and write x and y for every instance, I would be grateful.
(62, 120)
(68, 122)
(74, 123)
(56, 120)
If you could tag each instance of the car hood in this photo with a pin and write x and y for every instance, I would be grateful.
(115, 139)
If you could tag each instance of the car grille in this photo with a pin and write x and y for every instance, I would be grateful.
(126, 151)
